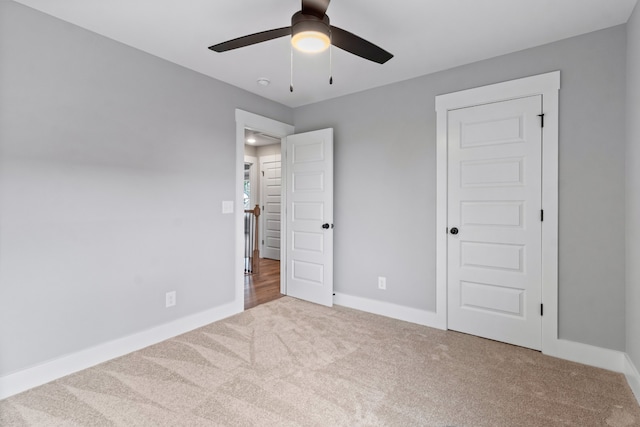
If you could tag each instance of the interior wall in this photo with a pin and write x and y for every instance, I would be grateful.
(113, 167)
(250, 150)
(633, 187)
(385, 175)
(268, 150)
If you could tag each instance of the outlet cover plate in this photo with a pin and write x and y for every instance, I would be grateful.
(170, 299)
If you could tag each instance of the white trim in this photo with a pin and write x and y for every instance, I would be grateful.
(586, 354)
(633, 376)
(394, 311)
(49, 371)
(283, 213)
(244, 119)
(548, 86)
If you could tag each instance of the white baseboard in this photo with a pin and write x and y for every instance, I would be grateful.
(32, 377)
(586, 354)
(633, 377)
(408, 314)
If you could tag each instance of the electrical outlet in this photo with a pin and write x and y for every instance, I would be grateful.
(170, 299)
(382, 283)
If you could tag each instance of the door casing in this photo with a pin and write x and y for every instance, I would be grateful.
(548, 86)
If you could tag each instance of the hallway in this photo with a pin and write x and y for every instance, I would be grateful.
(264, 286)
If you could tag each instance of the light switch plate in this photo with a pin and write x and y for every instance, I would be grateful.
(227, 207)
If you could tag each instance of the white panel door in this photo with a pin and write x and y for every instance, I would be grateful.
(494, 208)
(309, 216)
(271, 200)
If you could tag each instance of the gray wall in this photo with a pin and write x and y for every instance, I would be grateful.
(113, 166)
(385, 181)
(633, 187)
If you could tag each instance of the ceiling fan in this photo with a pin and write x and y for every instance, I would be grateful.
(311, 31)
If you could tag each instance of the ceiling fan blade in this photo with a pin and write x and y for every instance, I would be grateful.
(358, 46)
(315, 7)
(251, 39)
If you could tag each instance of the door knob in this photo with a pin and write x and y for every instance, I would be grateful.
(325, 226)
(453, 231)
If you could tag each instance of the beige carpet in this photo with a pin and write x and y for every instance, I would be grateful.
(289, 363)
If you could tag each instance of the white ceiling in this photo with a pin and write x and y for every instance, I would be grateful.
(424, 35)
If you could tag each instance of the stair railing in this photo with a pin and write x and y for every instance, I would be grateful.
(251, 236)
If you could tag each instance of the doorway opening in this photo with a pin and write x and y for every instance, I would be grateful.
(246, 120)
(262, 183)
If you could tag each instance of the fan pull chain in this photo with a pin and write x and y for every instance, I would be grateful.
(331, 61)
(291, 81)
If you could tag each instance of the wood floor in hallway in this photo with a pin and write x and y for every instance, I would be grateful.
(264, 286)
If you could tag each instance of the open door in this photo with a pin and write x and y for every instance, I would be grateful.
(309, 216)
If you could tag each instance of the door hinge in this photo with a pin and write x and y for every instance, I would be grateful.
(263, 242)
(541, 215)
(262, 173)
(541, 120)
(541, 309)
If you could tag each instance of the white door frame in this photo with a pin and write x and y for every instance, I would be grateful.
(548, 86)
(244, 119)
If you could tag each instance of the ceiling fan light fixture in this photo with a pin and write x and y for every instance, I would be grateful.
(310, 41)
(310, 31)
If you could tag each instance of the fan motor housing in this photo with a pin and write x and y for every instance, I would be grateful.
(301, 22)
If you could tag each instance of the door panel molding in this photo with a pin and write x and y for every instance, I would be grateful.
(548, 86)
